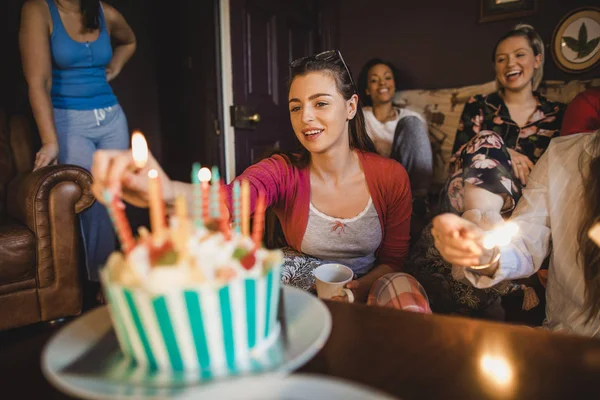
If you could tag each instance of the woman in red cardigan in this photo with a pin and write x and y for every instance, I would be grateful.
(336, 198)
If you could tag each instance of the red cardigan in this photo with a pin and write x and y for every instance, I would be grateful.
(287, 190)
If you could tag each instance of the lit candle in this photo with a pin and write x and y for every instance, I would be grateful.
(245, 208)
(139, 149)
(237, 226)
(500, 236)
(215, 188)
(119, 220)
(157, 207)
(594, 233)
(259, 219)
(204, 176)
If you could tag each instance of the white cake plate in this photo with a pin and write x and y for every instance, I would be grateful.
(70, 358)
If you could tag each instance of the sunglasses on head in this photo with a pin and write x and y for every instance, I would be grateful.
(329, 55)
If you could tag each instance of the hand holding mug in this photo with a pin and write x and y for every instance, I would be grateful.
(332, 281)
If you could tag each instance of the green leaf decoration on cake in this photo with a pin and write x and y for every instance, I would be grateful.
(167, 258)
(239, 253)
(581, 45)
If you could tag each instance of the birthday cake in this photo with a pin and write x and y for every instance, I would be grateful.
(193, 295)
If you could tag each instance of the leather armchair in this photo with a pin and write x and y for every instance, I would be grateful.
(40, 251)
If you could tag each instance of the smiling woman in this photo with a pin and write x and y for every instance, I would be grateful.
(500, 138)
(398, 133)
(337, 200)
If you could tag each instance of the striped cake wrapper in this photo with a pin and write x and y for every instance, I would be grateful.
(205, 332)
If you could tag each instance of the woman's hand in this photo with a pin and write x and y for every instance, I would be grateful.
(360, 290)
(521, 165)
(115, 170)
(47, 155)
(458, 240)
(112, 72)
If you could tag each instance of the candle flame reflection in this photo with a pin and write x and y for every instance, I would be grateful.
(497, 369)
(139, 149)
(152, 174)
(500, 236)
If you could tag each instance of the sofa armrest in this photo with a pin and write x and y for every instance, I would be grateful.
(47, 201)
(28, 194)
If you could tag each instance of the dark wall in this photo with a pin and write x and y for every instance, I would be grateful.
(440, 43)
(135, 87)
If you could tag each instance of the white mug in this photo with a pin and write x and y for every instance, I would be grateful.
(330, 280)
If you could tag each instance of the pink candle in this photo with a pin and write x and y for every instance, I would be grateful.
(205, 208)
(121, 225)
(259, 219)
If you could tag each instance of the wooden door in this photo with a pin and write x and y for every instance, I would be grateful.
(266, 35)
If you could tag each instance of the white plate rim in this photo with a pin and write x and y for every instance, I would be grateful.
(53, 376)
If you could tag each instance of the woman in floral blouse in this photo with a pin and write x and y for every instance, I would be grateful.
(500, 138)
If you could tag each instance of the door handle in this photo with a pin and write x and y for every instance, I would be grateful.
(254, 118)
(244, 117)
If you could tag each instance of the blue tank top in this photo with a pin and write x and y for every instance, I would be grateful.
(79, 69)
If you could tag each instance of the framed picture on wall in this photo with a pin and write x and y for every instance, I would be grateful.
(576, 40)
(496, 10)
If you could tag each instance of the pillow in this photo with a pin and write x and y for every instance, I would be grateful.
(441, 109)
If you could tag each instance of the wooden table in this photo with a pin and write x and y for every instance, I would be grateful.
(409, 355)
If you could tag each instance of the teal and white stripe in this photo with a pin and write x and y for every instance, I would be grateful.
(209, 332)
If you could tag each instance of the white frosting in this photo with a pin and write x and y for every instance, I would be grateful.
(209, 262)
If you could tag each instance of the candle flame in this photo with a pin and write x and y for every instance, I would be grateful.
(139, 148)
(204, 174)
(500, 236)
(152, 174)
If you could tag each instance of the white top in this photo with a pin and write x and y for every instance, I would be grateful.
(548, 216)
(348, 241)
(382, 133)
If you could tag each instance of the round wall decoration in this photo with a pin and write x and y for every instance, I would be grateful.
(576, 40)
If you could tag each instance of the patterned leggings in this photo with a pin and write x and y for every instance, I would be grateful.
(396, 290)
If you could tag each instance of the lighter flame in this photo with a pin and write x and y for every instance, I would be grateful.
(204, 174)
(152, 174)
(497, 369)
(139, 148)
(500, 236)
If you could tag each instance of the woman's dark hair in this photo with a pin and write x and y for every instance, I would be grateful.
(535, 42)
(90, 10)
(338, 70)
(589, 252)
(363, 78)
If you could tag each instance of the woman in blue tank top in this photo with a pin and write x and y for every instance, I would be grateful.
(68, 61)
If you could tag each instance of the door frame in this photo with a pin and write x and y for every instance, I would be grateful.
(226, 89)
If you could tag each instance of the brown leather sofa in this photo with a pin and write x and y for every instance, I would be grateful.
(40, 252)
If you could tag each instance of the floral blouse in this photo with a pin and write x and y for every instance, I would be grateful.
(488, 112)
(480, 155)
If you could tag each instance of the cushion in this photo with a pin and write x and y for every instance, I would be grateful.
(442, 109)
(18, 253)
